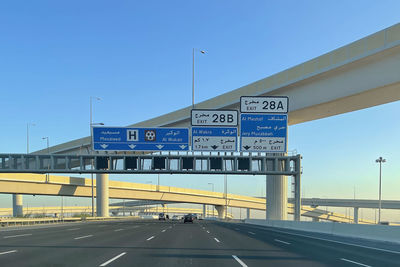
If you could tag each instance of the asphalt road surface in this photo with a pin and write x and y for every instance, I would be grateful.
(173, 243)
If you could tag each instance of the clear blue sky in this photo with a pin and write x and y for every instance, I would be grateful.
(136, 56)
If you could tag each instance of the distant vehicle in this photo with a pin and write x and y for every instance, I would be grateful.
(195, 216)
(188, 218)
(175, 218)
(161, 217)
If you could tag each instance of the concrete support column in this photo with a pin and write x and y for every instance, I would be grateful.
(221, 211)
(102, 199)
(356, 214)
(277, 197)
(248, 213)
(17, 205)
(276, 192)
(204, 211)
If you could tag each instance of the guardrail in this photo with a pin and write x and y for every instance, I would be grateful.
(7, 222)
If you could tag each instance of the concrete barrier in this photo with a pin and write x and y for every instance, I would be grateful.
(373, 232)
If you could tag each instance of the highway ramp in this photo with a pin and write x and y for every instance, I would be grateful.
(173, 243)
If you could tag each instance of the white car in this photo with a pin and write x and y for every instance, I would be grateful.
(175, 218)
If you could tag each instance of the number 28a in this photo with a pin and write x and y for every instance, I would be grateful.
(271, 105)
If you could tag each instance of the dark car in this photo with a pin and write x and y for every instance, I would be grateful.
(188, 218)
(161, 217)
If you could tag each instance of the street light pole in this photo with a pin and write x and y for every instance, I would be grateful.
(212, 186)
(380, 160)
(48, 152)
(193, 52)
(90, 149)
(27, 136)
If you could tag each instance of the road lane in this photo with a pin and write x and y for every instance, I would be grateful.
(172, 243)
(61, 248)
(320, 249)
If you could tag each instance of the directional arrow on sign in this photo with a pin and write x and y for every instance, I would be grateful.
(159, 146)
(132, 146)
(246, 147)
(104, 146)
(214, 147)
(182, 146)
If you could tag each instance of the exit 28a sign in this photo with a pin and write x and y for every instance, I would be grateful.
(264, 104)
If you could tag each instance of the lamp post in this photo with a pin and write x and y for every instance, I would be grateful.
(91, 150)
(203, 52)
(380, 160)
(48, 152)
(27, 136)
(212, 186)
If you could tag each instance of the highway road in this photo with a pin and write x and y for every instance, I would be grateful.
(203, 243)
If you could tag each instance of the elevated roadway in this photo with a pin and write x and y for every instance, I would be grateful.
(39, 184)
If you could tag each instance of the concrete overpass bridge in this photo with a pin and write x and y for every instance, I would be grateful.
(362, 74)
(41, 184)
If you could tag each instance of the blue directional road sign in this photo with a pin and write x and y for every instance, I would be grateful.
(263, 132)
(214, 138)
(140, 139)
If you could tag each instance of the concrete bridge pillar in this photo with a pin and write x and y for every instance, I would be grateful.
(221, 211)
(17, 205)
(356, 214)
(102, 195)
(204, 211)
(248, 213)
(277, 197)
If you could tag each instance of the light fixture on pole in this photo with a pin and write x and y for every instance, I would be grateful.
(90, 149)
(203, 52)
(27, 136)
(380, 160)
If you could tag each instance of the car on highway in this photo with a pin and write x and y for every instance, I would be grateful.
(188, 218)
(175, 218)
(161, 217)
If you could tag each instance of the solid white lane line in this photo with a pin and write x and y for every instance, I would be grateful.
(239, 260)
(86, 236)
(163, 231)
(216, 240)
(251, 233)
(117, 230)
(12, 236)
(113, 259)
(280, 241)
(73, 229)
(150, 238)
(343, 259)
(7, 252)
